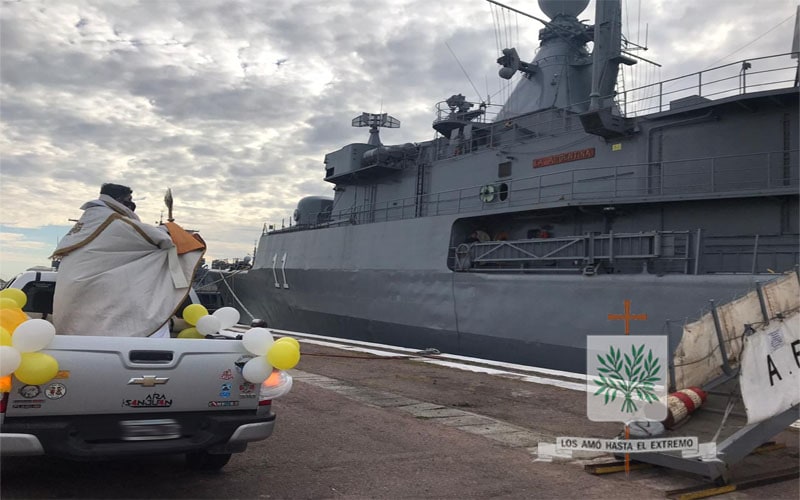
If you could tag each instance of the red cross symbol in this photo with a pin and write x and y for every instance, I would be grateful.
(627, 317)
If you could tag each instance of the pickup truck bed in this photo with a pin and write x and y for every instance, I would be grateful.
(123, 396)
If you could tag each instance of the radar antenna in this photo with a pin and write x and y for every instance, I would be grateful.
(374, 121)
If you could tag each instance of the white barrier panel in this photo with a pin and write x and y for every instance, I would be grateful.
(770, 372)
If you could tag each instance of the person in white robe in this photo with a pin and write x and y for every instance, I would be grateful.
(118, 276)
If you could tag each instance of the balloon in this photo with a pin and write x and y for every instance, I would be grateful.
(5, 383)
(193, 312)
(16, 295)
(5, 337)
(208, 325)
(290, 340)
(283, 355)
(10, 359)
(257, 340)
(33, 335)
(11, 318)
(190, 333)
(8, 303)
(256, 370)
(228, 316)
(36, 368)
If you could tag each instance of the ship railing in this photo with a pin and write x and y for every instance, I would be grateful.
(477, 112)
(658, 252)
(759, 253)
(741, 77)
(729, 80)
(485, 132)
(585, 253)
(755, 174)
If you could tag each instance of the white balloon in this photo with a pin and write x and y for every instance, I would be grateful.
(257, 370)
(208, 325)
(228, 316)
(10, 359)
(258, 341)
(33, 335)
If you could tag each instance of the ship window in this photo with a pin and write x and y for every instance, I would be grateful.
(503, 191)
(504, 169)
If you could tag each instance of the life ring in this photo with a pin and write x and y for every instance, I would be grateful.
(487, 193)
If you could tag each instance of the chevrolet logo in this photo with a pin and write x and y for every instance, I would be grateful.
(148, 380)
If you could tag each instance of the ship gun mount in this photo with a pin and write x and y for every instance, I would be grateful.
(455, 113)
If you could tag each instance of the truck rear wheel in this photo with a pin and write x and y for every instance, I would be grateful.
(205, 461)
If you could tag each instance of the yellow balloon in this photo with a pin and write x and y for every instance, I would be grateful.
(8, 303)
(36, 368)
(290, 340)
(283, 355)
(16, 295)
(12, 318)
(193, 312)
(190, 333)
(5, 337)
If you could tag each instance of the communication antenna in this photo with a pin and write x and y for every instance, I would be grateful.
(477, 92)
(374, 121)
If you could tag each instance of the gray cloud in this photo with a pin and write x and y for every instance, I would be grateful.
(234, 104)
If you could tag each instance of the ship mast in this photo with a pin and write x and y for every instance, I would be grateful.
(560, 74)
(607, 52)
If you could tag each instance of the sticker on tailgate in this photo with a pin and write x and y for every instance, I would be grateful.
(29, 391)
(154, 400)
(218, 404)
(55, 391)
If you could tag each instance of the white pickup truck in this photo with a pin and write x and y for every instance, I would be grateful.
(127, 396)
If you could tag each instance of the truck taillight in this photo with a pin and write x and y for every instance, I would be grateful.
(278, 384)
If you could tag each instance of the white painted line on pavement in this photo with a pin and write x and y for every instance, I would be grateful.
(380, 350)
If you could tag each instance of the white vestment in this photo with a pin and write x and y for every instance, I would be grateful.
(118, 276)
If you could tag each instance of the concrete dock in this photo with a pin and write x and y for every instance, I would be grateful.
(365, 422)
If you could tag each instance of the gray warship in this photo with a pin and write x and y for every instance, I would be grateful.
(518, 231)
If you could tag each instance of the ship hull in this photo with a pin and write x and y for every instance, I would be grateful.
(518, 239)
(532, 319)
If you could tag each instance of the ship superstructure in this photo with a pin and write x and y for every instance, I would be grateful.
(516, 232)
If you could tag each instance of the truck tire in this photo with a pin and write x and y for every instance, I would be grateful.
(205, 461)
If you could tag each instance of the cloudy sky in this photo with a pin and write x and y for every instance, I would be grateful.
(233, 104)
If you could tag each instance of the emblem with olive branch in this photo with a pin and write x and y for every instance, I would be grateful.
(626, 375)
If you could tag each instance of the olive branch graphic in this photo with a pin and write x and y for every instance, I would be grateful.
(640, 374)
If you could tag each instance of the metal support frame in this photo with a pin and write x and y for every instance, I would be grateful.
(762, 302)
(726, 366)
(729, 452)
(743, 438)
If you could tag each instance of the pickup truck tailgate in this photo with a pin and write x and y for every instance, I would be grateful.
(127, 375)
